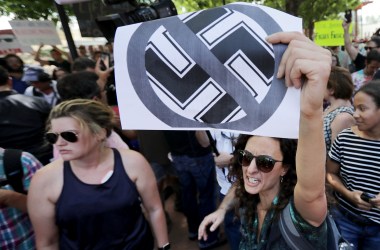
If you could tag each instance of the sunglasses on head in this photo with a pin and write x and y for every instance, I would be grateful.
(264, 163)
(69, 136)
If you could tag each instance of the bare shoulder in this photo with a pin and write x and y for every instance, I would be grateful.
(49, 180)
(134, 163)
(344, 120)
(130, 156)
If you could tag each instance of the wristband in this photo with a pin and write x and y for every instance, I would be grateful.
(165, 247)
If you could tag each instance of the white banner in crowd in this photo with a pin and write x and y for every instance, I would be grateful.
(10, 45)
(35, 32)
(207, 69)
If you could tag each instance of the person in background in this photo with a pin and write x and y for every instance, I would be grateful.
(343, 57)
(41, 85)
(16, 231)
(353, 169)
(357, 58)
(91, 51)
(272, 174)
(57, 56)
(225, 144)
(91, 198)
(194, 163)
(335, 60)
(83, 64)
(109, 49)
(372, 63)
(153, 146)
(22, 122)
(15, 67)
(338, 114)
(58, 73)
(82, 51)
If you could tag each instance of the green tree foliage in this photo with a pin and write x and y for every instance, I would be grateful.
(309, 10)
(29, 10)
(184, 6)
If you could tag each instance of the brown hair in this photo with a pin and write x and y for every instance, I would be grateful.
(340, 81)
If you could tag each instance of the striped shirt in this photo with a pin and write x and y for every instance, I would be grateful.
(15, 227)
(359, 160)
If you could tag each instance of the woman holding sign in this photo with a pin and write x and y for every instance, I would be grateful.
(265, 168)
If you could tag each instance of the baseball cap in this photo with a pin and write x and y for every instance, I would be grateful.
(35, 74)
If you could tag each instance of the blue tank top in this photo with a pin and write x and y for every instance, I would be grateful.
(101, 216)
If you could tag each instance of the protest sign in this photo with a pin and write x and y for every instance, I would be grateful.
(10, 45)
(329, 33)
(208, 69)
(35, 32)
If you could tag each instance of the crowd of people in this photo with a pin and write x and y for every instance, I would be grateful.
(92, 185)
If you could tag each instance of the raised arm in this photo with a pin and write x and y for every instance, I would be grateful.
(351, 50)
(306, 65)
(38, 58)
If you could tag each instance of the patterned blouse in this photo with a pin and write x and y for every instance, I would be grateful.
(329, 118)
(271, 238)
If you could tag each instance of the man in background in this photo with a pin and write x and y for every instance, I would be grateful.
(22, 123)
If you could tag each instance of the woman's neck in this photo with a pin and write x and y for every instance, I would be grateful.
(336, 103)
(373, 134)
(266, 200)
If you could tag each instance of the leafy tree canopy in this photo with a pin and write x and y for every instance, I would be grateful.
(29, 10)
(309, 10)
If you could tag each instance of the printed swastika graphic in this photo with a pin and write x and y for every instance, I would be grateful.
(222, 71)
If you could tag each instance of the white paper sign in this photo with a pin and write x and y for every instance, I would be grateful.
(207, 69)
(35, 32)
(10, 45)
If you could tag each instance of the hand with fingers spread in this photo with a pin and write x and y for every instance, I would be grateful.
(104, 73)
(210, 223)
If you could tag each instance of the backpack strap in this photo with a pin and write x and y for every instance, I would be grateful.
(290, 233)
(13, 169)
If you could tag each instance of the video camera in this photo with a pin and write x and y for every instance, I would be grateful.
(142, 13)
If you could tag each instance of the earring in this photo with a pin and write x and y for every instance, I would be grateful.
(281, 179)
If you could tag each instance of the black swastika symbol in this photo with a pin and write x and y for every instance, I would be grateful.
(209, 68)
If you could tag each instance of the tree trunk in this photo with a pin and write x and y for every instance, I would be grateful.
(291, 7)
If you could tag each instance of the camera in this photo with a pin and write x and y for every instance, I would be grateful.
(142, 13)
(348, 16)
(367, 196)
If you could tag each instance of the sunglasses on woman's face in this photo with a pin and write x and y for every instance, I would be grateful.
(369, 48)
(264, 163)
(69, 136)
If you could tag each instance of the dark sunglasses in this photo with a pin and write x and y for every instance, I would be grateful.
(370, 48)
(264, 163)
(69, 136)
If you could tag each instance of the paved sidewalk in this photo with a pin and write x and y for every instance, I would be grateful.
(178, 233)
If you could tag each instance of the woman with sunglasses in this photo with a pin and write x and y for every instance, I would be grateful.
(264, 168)
(353, 170)
(91, 198)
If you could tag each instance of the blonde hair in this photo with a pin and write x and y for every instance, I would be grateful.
(90, 113)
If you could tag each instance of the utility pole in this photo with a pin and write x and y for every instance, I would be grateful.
(66, 30)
